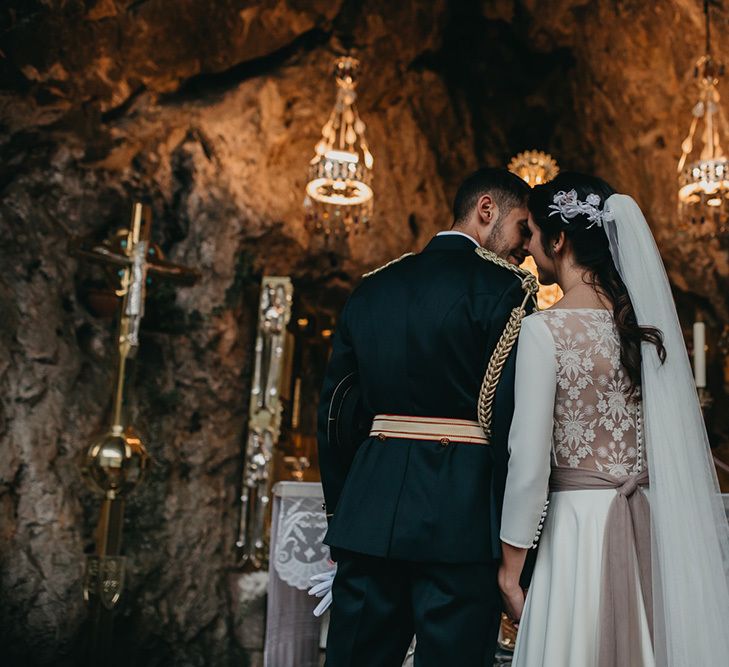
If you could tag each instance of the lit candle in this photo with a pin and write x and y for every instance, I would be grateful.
(700, 354)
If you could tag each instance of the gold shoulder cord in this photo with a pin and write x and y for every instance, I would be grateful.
(506, 341)
(384, 266)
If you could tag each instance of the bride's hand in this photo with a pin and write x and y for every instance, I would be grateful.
(513, 596)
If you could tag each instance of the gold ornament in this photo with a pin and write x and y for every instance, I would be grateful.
(535, 167)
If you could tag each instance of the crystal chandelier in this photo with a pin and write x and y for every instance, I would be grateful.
(703, 171)
(339, 194)
(535, 167)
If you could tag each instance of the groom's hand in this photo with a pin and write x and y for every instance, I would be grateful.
(512, 595)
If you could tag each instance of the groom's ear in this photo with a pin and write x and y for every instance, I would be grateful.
(487, 209)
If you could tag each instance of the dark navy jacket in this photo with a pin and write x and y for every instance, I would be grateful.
(419, 334)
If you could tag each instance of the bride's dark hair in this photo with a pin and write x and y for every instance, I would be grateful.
(592, 251)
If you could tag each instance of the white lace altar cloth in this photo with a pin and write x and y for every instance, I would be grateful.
(296, 553)
(300, 528)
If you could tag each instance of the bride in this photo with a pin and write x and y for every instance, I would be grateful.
(610, 469)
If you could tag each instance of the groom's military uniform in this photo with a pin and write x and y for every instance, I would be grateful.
(414, 519)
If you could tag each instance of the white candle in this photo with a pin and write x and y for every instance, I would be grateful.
(700, 354)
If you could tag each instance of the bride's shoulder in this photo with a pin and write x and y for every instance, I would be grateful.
(546, 323)
(549, 319)
(536, 322)
(536, 334)
(542, 315)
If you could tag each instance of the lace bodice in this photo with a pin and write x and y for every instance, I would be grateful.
(572, 409)
(596, 421)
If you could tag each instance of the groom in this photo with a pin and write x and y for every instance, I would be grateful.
(414, 511)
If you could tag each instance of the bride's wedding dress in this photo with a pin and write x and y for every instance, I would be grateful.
(573, 411)
(576, 430)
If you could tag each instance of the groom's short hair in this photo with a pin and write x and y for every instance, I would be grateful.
(507, 189)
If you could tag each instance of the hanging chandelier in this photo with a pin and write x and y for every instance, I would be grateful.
(703, 171)
(339, 197)
(535, 167)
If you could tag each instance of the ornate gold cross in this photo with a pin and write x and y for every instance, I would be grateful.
(116, 460)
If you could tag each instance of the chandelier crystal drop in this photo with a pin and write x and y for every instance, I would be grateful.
(535, 167)
(703, 170)
(339, 196)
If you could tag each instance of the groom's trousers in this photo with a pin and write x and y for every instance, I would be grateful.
(379, 603)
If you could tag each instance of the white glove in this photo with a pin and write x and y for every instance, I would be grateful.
(323, 589)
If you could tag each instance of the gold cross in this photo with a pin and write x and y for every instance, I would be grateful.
(117, 458)
(136, 257)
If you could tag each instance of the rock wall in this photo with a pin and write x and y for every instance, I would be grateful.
(210, 111)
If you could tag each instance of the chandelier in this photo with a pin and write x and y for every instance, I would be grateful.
(703, 171)
(339, 196)
(535, 167)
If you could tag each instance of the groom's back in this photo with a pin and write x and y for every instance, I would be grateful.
(424, 329)
(418, 335)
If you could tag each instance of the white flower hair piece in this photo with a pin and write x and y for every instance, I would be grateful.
(568, 206)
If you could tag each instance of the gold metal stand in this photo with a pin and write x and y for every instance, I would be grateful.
(116, 460)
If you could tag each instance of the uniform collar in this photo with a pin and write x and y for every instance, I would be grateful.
(451, 240)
